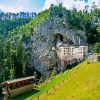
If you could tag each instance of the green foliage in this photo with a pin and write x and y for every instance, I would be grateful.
(12, 74)
(8, 25)
(57, 10)
(96, 47)
(50, 84)
(53, 73)
(31, 27)
(79, 20)
(76, 80)
(14, 58)
(1, 54)
(18, 62)
(83, 21)
(13, 61)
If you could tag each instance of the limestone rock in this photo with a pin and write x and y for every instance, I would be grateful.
(43, 58)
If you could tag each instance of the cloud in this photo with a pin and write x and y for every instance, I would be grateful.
(66, 3)
(74, 4)
(6, 8)
(91, 1)
(97, 2)
(49, 2)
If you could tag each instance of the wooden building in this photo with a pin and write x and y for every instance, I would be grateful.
(18, 86)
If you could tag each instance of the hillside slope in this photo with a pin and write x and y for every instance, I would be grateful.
(84, 85)
(41, 35)
(31, 46)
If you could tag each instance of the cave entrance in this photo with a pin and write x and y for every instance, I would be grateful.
(59, 37)
(58, 40)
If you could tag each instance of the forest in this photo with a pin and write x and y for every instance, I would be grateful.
(14, 59)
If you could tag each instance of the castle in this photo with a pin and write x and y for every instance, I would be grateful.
(69, 53)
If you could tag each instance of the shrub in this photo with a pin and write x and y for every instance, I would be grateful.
(96, 47)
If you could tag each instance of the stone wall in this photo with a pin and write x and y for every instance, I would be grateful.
(20, 90)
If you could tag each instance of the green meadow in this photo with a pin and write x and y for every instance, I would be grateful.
(83, 84)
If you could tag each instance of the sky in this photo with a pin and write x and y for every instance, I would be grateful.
(38, 5)
(21, 5)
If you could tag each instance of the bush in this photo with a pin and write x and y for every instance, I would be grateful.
(96, 47)
(88, 62)
(53, 74)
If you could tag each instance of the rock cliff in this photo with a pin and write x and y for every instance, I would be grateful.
(43, 58)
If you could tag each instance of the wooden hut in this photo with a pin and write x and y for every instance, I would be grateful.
(18, 86)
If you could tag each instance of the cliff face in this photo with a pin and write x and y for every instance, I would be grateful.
(43, 58)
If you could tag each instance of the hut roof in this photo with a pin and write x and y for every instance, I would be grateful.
(19, 79)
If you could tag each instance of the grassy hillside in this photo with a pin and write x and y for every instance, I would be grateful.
(83, 84)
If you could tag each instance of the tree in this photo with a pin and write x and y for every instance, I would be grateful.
(8, 25)
(1, 58)
(7, 60)
(96, 47)
(18, 61)
(12, 73)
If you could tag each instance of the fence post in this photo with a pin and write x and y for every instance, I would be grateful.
(59, 84)
(63, 81)
(38, 98)
(54, 87)
(47, 92)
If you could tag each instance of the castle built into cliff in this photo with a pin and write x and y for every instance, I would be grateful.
(69, 53)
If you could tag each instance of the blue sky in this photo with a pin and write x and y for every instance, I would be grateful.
(86, 0)
(24, 5)
(27, 5)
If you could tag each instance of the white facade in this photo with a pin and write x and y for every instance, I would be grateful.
(68, 53)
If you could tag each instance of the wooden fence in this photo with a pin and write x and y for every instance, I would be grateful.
(43, 95)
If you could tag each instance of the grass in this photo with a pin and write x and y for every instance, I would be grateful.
(40, 90)
(84, 85)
